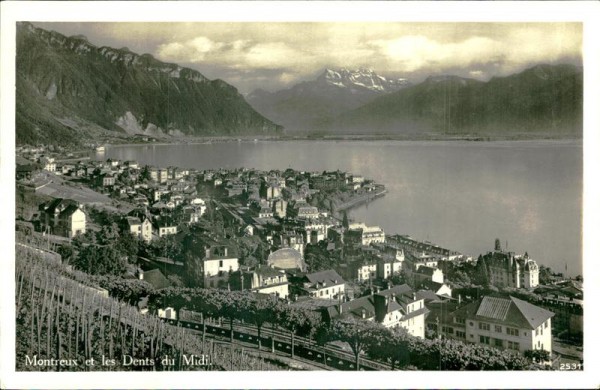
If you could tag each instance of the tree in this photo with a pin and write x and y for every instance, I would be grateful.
(462, 278)
(128, 290)
(194, 276)
(317, 257)
(389, 345)
(545, 275)
(66, 253)
(128, 244)
(356, 333)
(401, 278)
(345, 223)
(166, 246)
(537, 356)
(227, 304)
(100, 260)
(258, 310)
(290, 318)
(145, 173)
(81, 240)
(482, 272)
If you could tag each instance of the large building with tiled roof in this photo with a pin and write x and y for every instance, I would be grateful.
(501, 322)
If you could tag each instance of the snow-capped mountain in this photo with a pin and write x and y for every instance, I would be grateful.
(313, 104)
(361, 78)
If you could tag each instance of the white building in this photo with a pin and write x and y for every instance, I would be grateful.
(396, 307)
(366, 235)
(424, 273)
(48, 164)
(63, 217)
(366, 272)
(388, 267)
(505, 323)
(316, 229)
(140, 228)
(200, 205)
(263, 280)
(307, 212)
(217, 265)
(326, 284)
(165, 227)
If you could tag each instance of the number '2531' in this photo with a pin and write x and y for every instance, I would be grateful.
(571, 366)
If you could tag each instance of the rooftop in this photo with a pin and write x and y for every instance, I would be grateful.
(327, 278)
(510, 310)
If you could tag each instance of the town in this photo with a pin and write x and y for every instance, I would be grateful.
(150, 236)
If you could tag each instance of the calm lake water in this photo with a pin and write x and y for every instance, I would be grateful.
(460, 195)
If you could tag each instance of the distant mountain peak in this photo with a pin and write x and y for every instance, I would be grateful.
(309, 105)
(361, 78)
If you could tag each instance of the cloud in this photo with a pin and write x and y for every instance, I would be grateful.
(242, 54)
(284, 53)
(414, 52)
(273, 55)
(197, 49)
(501, 52)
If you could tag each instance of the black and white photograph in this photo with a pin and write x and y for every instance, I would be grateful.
(342, 194)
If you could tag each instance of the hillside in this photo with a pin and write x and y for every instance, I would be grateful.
(69, 90)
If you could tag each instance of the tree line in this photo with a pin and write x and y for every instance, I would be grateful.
(365, 338)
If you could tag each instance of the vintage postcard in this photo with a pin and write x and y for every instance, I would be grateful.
(352, 193)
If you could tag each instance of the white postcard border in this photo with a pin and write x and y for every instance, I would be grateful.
(586, 12)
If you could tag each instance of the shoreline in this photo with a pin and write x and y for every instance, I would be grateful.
(496, 141)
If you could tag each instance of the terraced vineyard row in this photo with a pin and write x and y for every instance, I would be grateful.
(65, 325)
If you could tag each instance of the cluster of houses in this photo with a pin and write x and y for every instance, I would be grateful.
(275, 207)
(162, 199)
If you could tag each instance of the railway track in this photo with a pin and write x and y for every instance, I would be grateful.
(277, 342)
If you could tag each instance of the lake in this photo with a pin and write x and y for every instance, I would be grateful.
(460, 195)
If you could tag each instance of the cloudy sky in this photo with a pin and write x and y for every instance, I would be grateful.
(277, 55)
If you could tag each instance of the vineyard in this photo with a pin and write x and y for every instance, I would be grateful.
(66, 324)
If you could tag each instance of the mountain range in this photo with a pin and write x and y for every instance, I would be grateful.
(544, 99)
(313, 104)
(69, 90)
